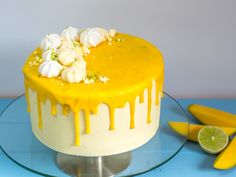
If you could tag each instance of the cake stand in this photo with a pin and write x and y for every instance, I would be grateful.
(19, 144)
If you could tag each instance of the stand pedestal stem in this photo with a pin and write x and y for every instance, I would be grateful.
(102, 166)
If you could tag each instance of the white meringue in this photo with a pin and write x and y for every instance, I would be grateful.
(89, 81)
(112, 32)
(47, 55)
(104, 79)
(76, 73)
(67, 44)
(91, 37)
(72, 45)
(67, 56)
(80, 52)
(68, 51)
(70, 33)
(51, 41)
(80, 64)
(50, 68)
(85, 50)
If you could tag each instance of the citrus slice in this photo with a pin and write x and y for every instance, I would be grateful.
(212, 139)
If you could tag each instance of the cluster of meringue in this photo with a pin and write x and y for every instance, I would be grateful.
(63, 55)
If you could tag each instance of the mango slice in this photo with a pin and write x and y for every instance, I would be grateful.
(227, 158)
(211, 116)
(182, 129)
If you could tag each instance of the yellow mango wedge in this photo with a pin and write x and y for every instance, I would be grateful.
(211, 116)
(227, 158)
(182, 129)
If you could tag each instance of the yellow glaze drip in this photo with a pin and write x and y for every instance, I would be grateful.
(112, 121)
(159, 84)
(141, 97)
(40, 124)
(27, 97)
(87, 121)
(53, 108)
(131, 64)
(77, 129)
(65, 110)
(149, 89)
(132, 112)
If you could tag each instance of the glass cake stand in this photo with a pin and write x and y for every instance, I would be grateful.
(19, 144)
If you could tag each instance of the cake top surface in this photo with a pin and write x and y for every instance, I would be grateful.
(118, 67)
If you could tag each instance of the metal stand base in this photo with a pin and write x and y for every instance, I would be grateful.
(103, 166)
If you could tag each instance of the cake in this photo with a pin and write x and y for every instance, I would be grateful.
(94, 92)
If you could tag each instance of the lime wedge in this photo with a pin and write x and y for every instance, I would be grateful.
(212, 139)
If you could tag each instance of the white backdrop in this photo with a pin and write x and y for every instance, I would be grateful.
(196, 37)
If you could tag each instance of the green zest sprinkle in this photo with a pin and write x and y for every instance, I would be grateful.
(119, 40)
(76, 44)
(92, 76)
(54, 55)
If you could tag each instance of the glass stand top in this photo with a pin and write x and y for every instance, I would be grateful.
(19, 144)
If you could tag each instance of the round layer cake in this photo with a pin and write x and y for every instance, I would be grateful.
(100, 98)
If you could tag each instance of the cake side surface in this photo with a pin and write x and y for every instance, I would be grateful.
(58, 131)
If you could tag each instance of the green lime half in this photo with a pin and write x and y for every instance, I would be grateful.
(212, 139)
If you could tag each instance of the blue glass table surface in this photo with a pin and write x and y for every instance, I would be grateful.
(191, 161)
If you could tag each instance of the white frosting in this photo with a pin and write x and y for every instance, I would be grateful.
(76, 73)
(67, 56)
(51, 41)
(91, 37)
(50, 68)
(70, 33)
